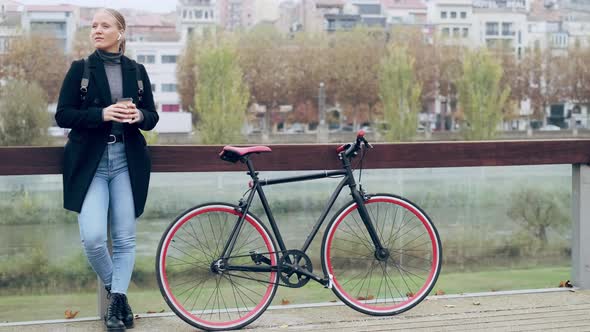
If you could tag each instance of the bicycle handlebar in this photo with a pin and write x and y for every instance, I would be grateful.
(351, 148)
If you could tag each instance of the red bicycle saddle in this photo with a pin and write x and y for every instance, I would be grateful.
(233, 154)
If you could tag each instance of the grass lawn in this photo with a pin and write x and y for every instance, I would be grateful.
(42, 307)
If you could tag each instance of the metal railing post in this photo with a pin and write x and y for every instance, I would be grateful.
(581, 226)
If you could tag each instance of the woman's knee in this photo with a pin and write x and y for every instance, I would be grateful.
(123, 242)
(94, 242)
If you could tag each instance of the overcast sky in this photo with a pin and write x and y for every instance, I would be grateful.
(154, 6)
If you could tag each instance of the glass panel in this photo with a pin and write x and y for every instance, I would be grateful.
(43, 270)
(492, 238)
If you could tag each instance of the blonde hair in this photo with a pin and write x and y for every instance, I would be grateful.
(120, 23)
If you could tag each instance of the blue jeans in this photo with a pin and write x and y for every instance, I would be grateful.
(110, 193)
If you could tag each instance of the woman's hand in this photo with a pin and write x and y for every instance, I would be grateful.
(117, 112)
(134, 113)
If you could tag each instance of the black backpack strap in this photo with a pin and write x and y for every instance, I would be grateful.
(139, 81)
(85, 79)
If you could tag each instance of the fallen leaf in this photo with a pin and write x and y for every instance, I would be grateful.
(476, 303)
(284, 326)
(449, 305)
(333, 301)
(370, 297)
(285, 301)
(70, 314)
(410, 294)
(566, 284)
(439, 292)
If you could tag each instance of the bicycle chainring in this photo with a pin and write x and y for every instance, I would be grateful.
(291, 263)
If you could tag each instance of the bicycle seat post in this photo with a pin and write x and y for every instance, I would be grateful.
(253, 174)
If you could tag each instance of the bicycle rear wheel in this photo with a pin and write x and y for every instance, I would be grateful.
(200, 291)
(382, 285)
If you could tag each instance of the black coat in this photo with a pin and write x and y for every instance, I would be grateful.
(89, 135)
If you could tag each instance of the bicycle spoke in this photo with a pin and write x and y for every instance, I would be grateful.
(206, 295)
(396, 281)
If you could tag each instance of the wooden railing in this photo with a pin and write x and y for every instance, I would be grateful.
(47, 160)
(184, 158)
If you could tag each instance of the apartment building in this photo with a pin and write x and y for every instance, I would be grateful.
(10, 23)
(501, 24)
(159, 59)
(454, 21)
(408, 12)
(195, 16)
(58, 21)
(371, 12)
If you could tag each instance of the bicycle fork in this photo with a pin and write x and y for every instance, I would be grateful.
(381, 253)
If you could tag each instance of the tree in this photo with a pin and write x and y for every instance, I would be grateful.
(537, 211)
(306, 59)
(266, 70)
(481, 96)
(400, 92)
(82, 45)
(221, 97)
(36, 58)
(23, 114)
(353, 60)
(540, 70)
(186, 75)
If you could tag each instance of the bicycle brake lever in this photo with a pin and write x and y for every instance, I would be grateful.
(367, 144)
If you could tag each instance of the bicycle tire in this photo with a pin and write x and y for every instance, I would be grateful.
(388, 286)
(184, 268)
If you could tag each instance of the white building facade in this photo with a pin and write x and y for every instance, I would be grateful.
(195, 16)
(159, 59)
(58, 21)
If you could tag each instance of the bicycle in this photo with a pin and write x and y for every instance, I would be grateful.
(218, 267)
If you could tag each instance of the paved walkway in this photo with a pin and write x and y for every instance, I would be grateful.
(563, 310)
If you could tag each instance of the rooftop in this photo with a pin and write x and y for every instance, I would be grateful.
(404, 4)
(50, 8)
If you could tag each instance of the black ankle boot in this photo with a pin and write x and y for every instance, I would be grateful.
(114, 311)
(126, 313)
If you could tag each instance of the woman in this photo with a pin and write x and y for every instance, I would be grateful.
(106, 166)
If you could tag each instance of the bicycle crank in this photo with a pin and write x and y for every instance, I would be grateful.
(295, 268)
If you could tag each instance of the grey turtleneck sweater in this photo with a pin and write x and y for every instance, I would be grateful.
(112, 67)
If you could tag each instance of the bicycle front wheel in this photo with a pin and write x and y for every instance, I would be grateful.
(390, 283)
(193, 280)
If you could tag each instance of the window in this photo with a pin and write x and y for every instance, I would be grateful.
(465, 32)
(446, 32)
(507, 29)
(170, 108)
(492, 29)
(443, 14)
(453, 14)
(153, 88)
(456, 32)
(168, 58)
(170, 87)
(146, 59)
(199, 14)
(463, 15)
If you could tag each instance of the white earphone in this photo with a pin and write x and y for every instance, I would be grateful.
(120, 35)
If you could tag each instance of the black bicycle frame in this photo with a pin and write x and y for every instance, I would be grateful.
(256, 187)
